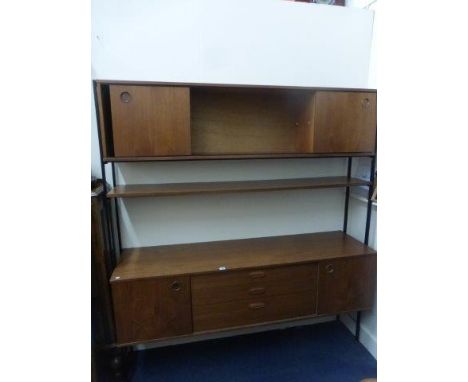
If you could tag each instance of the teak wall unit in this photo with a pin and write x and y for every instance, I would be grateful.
(187, 289)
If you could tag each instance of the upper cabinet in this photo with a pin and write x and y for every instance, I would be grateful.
(344, 122)
(150, 120)
(146, 120)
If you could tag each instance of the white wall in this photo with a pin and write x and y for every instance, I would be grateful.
(357, 207)
(242, 42)
(371, 5)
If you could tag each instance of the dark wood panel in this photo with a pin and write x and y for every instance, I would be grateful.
(101, 269)
(150, 120)
(151, 309)
(237, 157)
(345, 122)
(305, 129)
(139, 190)
(346, 284)
(100, 115)
(243, 285)
(254, 310)
(193, 258)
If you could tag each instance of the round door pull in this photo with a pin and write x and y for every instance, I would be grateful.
(125, 97)
(366, 102)
(176, 286)
(329, 268)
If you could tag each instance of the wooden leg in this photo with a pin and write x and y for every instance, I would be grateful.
(358, 326)
(118, 365)
(122, 364)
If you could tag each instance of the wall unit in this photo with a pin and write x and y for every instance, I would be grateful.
(148, 120)
(187, 289)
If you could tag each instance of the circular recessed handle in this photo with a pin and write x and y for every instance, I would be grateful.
(329, 268)
(125, 97)
(176, 286)
(365, 103)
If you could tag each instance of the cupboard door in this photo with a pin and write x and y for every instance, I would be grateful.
(345, 122)
(150, 309)
(150, 120)
(346, 284)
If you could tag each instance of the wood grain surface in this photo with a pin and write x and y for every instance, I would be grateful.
(167, 189)
(236, 157)
(345, 121)
(207, 257)
(346, 284)
(150, 120)
(243, 285)
(149, 309)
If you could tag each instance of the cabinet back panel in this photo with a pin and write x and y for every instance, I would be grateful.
(246, 121)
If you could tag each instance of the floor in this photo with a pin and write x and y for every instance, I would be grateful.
(324, 353)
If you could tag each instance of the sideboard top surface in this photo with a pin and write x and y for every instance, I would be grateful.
(216, 256)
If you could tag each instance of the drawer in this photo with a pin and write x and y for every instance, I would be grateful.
(253, 310)
(241, 285)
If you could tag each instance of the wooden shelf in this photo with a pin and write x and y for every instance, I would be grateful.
(236, 156)
(139, 190)
(208, 257)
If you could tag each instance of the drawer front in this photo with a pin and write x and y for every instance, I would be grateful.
(243, 285)
(253, 310)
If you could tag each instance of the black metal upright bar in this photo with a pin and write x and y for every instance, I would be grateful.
(116, 207)
(345, 219)
(358, 325)
(104, 183)
(366, 235)
(369, 201)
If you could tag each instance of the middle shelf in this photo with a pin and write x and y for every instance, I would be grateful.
(167, 189)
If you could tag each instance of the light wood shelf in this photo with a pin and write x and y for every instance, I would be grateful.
(235, 157)
(168, 189)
